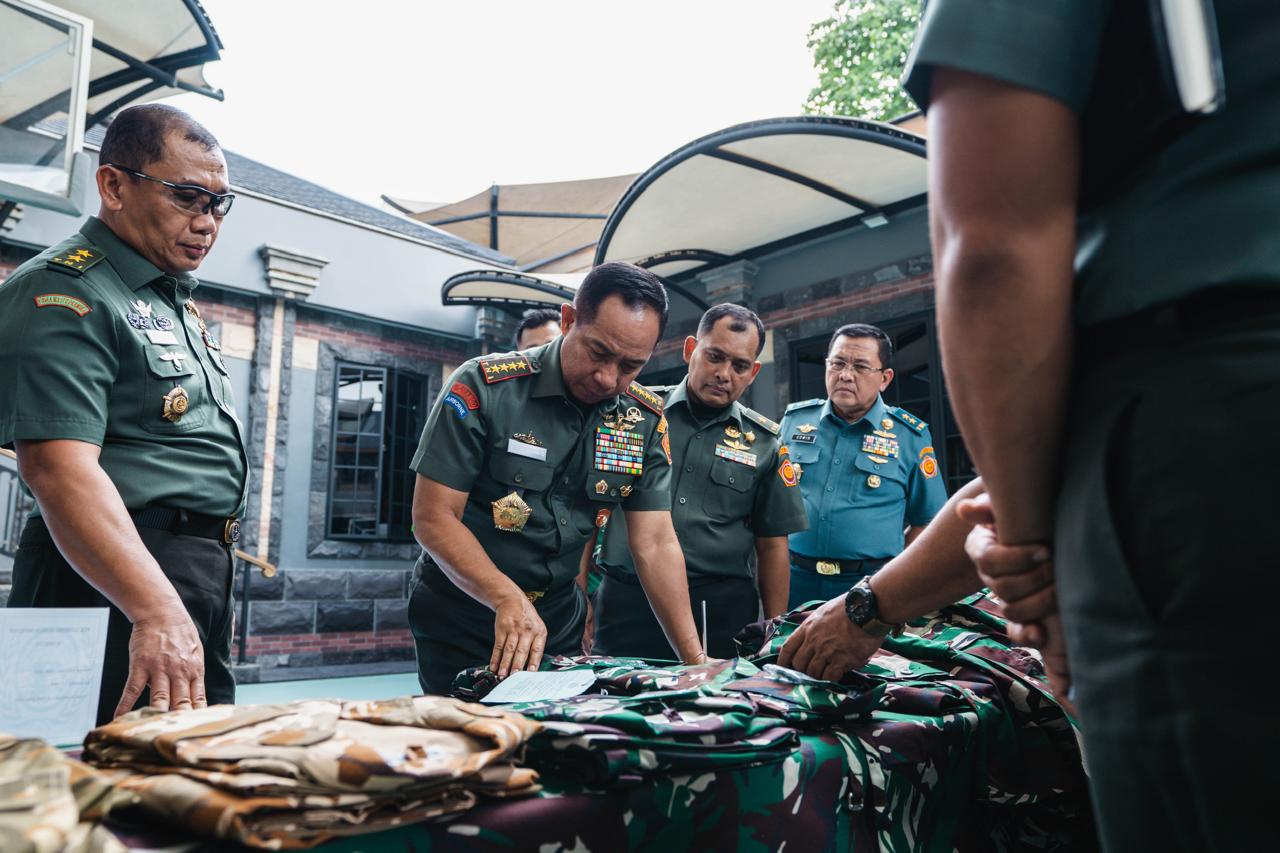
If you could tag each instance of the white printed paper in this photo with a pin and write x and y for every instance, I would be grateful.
(50, 671)
(524, 686)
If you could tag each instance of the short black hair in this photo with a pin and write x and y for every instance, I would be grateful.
(864, 330)
(532, 319)
(635, 285)
(740, 319)
(136, 136)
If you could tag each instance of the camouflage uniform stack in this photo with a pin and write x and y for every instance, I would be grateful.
(292, 776)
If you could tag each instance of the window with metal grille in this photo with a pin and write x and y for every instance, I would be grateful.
(378, 414)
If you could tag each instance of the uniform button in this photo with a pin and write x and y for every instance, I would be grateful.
(613, 493)
(684, 500)
(688, 468)
(565, 481)
(835, 461)
(698, 436)
(731, 480)
(564, 521)
(830, 489)
(519, 478)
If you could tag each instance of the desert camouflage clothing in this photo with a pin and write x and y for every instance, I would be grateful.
(292, 776)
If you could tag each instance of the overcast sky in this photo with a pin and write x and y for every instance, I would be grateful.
(436, 100)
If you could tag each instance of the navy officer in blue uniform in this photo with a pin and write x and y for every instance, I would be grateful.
(867, 470)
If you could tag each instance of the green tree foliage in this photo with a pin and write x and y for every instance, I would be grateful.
(860, 53)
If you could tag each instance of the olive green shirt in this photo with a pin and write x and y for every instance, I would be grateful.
(93, 338)
(722, 497)
(1200, 212)
(507, 425)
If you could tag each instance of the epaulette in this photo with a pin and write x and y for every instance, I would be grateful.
(499, 368)
(756, 417)
(76, 260)
(907, 418)
(805, 404)
(651, 401)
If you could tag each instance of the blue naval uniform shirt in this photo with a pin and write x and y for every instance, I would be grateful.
(863, 482)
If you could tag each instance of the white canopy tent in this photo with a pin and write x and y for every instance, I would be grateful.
(758, 187)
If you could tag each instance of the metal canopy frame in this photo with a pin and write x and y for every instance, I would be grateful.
(539, 285)
(712, 145)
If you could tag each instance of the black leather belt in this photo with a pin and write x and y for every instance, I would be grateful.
(184, 522)
(825, 566)
(1170, 324)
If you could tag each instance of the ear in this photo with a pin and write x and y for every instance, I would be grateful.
(690, 344)
(886, 378)
(110, 185)
(567, 318)
(755, 370)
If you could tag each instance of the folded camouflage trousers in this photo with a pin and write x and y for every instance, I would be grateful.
(50, 803)
(292, 776)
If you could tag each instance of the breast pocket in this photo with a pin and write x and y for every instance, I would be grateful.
(731, 490)
(609, 487)
(874, 483)
(174, 398)
(520, 472)
(803, 455)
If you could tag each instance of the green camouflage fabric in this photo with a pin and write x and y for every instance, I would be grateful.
(50, 803)
(292, 776)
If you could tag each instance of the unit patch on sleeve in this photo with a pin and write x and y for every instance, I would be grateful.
(61, 300)
(929, 467)
(787, 472)
(466, 394)
(651, 401)
(505, 367)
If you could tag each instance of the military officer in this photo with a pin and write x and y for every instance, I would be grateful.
(1109, 308)
(523, 457)
(733, 494)
(867, 470)
(118, 404)
(537, 326)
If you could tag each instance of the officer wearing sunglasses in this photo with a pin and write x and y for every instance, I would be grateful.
(119, 406)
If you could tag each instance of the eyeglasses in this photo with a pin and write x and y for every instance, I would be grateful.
(192, 198)
(861, 368)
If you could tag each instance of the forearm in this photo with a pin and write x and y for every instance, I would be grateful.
(933, 571)
(461, 557)
(912, 533)
(660, 567)
(94, 532)
(773, 568)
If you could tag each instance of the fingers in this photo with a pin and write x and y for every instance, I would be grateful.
(998, 560)
(198, 698)
(785, 657)
(1015, 587)
(133, 687)
(160, 691)
(180, 700)
(1031, 634)
(520, 659)
(976, 510)
(1034, 607)
(508, 651)
(535, 651)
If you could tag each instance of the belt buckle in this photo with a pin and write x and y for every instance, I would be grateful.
(534, 596)
(828, 567)
(231, 531)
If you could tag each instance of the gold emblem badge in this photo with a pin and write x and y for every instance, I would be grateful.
(827, 567)
(625, 491)
(884, 434)
(176, 403)
(886, 424)
(511, 513)
(527, 438)
(732, 431)
(749, 436)
(806, 428)
(736, 445)
(602, 488)
(879, 460)
(534, 596)
(874, 481)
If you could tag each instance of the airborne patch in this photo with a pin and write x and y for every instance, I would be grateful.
(78, 260)
(651, 401)
(61, 300)
(506, 367)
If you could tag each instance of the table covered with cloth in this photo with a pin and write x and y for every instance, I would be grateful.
(948, 739)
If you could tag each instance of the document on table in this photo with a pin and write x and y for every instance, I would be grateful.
(50, 671)
(526, 686)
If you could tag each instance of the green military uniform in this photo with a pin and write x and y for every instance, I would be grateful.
(731, 483)
(98, 345)
(1165, 576)
(542, 471)
(863, 483)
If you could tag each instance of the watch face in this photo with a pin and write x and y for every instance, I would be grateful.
(860, 604)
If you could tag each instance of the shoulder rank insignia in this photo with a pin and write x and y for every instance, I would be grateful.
(754, 416)
(505, 367)
(651, 401)
(908, 419)
(76, 260)
(804, 404)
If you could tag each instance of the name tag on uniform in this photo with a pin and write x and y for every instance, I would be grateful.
(519, 448)
(162, 336)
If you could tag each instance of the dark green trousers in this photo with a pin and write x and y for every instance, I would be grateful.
(625, 625)
(452, 631)
(199, 569)
(1168, 574)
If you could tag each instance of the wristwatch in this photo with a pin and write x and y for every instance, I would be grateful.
(860, 607)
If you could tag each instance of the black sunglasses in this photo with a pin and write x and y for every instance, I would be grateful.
(189, 197)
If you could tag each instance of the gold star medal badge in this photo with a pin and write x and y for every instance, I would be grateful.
(175, 404)
(511, 513)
